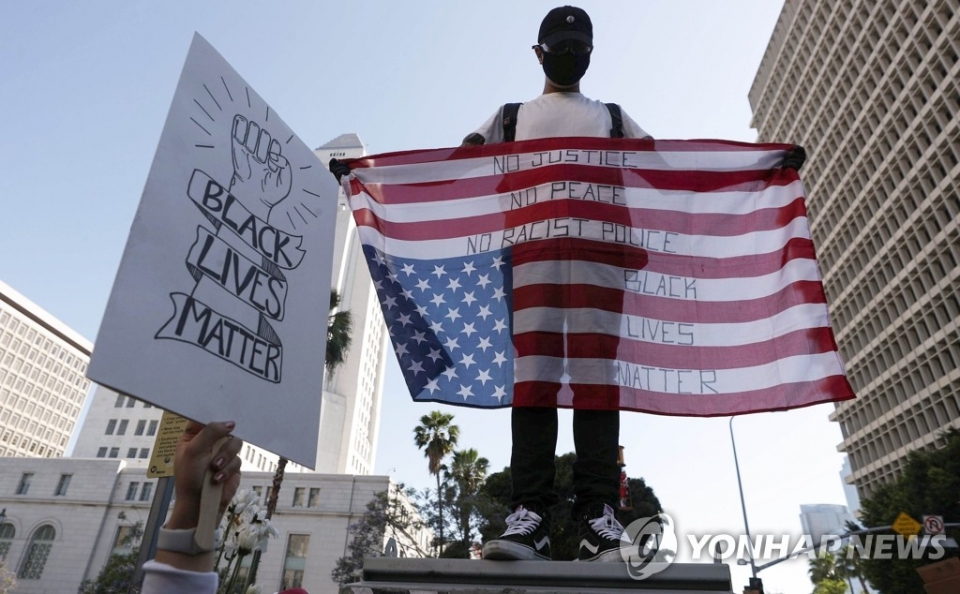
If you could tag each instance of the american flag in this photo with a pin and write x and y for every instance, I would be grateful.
(674, 277)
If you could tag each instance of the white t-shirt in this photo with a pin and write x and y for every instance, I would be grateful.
(556, 115)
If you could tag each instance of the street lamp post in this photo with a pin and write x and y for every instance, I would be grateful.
(755, 582)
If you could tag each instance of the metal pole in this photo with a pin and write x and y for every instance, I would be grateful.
(743, 504)
(158, 514)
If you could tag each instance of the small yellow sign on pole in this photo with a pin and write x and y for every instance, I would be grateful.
(164, 447)
(904, 525)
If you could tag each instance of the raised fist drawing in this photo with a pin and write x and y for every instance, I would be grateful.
(261, 175)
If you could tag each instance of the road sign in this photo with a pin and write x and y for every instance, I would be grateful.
(904, 525)
(165, 445)
(933, 524)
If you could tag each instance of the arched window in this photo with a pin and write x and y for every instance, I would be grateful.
(7, 533)
(37, 552)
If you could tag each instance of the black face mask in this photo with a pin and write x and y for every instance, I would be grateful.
(565, 69)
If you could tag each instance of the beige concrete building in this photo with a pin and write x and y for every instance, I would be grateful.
(872, 90)
(64, 518)
(42, 383)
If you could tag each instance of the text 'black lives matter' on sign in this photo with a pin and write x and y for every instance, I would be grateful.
(218, 311)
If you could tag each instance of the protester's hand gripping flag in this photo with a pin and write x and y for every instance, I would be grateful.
(674, 277)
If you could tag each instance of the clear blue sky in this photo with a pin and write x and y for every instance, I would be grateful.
(85, 87)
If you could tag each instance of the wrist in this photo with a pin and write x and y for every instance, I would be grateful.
(183, 517)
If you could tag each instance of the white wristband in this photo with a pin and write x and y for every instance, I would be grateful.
(181, 541)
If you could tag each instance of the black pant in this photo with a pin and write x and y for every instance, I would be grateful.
(596, 475)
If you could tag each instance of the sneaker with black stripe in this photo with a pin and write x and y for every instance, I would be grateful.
(600, 537)
(527, 538)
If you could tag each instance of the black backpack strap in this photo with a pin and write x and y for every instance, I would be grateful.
(616, 118)
(509, 120)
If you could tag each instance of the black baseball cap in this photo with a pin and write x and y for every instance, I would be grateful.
(564, 23)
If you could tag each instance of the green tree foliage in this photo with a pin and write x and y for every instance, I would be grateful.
(465, 476)
(8, 581)
(117, 574)
(831, 586)
(564, 535)
(437, 436)
(386, 517)
(339, 328)
(929, 485)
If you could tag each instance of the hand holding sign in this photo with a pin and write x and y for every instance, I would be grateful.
(261, 175)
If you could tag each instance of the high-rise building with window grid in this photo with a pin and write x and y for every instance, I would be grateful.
(872, 90)
(42, 378)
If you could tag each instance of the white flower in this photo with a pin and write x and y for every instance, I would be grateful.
(254, 589)
(247, 540)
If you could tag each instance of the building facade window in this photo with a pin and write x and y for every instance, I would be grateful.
(131, 401)
(144, 452)
(122, 428)
(132, 491)
(298, 493)
(132, 453)
(114, 452)
(314, 500)
(146, 492)
(127, 538)
(119, 402)
(141, 425)
(295, 560)
(24, 485)
(37, 553)
(152, 429)
(102, 453)
(111, 425)
(7, 533)
(62, 485)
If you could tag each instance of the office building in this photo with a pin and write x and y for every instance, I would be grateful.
(350, 412)
(872, 90)
(42, 378)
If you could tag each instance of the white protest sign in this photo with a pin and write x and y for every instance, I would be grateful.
(220, 306)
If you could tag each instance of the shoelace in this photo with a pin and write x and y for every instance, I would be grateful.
(607, 526)
(522, 522)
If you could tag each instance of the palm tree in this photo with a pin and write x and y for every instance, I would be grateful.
(823, 567)
(339, 326)
(437, 436)
(468, 471)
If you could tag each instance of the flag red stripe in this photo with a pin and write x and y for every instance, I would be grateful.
(724, 225)
(753, 180)
(782, 397)
(664, 308)
(659, 262)
(671, 356)
(548, 144)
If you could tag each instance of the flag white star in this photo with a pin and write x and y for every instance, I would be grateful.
(451, 373)
(499, 326)
(451, 343)
(436, 327)
(453, 285)
(401, 350)
(484, 312)
(467, 361)
(390, 301)
(378, 284)
(419, 337)
(453, 314)
(406, 293)
(498, 392)
(465, 391)
(378, 258)
(437, 299)
(483, 281)
(484, 344)
(484, 377)
(407, 269)
(393, 276)
(497, 262)
(435, 354)
(422, 310)
(423, 284)
(498, 293)
(439, 271)
(468, 329)
(404, 319)
(499, 359)
(415, 368)
(432, 385)
(468, 267)
(468, 298)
